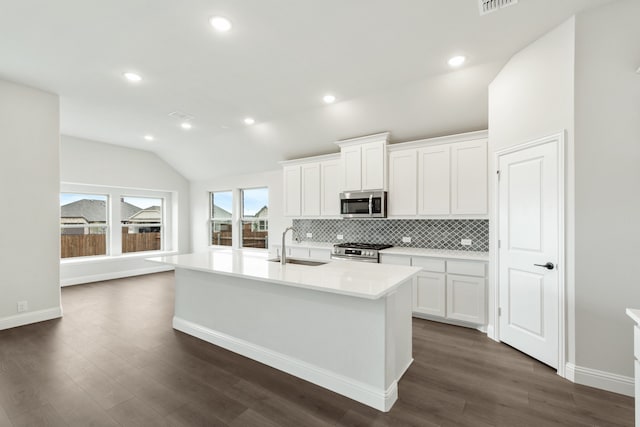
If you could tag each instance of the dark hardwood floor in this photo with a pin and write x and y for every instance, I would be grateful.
(115, 360)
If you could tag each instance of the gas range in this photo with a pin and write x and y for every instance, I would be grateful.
(364, 252)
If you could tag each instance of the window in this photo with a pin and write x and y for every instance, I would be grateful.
(255, 218)
(142, 224)
(221, 218)
(83, 225)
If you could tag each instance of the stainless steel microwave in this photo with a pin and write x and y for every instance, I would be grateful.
(363, 204)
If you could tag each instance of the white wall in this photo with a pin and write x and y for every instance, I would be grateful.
(200, 204)
(99, 164)
(532, 97)
(29, 177)
(607, 200)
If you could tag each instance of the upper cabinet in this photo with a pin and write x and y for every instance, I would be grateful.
(449, 177)
(364, 162)
(312, 186)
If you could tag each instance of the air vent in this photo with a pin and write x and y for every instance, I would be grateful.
(181, 116)
(488, 6)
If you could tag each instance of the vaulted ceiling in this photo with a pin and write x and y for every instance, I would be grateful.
(384, 60)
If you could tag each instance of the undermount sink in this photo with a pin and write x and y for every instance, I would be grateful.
(300, 261)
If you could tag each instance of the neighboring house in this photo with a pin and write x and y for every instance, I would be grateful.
(143, 220)
(222, 219)
(261, 224)
(94, 212)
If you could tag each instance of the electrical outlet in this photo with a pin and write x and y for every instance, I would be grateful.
(406, 239)
(340, 236)
(22, 306)
(465, 242)
(309, 235)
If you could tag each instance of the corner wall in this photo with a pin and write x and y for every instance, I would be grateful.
(607, 105)
(30, 179)
(98, 164)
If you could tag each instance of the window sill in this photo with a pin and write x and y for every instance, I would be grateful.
(109, 258)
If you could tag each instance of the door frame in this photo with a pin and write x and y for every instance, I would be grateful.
(560, 140)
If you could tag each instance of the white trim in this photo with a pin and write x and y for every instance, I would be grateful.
(30, 317)
(454, 322)
(600, 379)
(356, 390)
(313, 159)
(441, 140)
(80, 280)
(383, 136)
(560, 139)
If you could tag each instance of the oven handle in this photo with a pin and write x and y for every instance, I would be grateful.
(341, 258)
(370, 204)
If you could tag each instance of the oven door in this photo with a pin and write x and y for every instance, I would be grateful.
(352, 258)
(363, 204)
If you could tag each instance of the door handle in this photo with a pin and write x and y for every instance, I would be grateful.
(548, 266)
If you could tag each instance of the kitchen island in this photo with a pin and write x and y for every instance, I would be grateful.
(345, 326)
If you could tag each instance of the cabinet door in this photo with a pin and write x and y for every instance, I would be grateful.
(291, 190)
(433, 180)
(310, 189)
(395, 259)
(469, 177)
(352, 162)
(373, 165)
(403, 182)
(330, 186)
(429, 294)
(466, 298)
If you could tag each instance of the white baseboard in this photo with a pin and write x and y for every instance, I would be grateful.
(30, 317)
(481, 328)
(80, 280)
(356, 390)
(600, 379)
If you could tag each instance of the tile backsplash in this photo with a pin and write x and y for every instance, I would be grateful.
(425, 233)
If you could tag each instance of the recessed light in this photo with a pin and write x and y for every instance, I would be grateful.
(185, 125)
(249, 121)
(149, 137)
(329, 99)
(457, 61)
(132, 77)
(220, 23)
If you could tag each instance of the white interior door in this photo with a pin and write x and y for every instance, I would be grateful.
(529, 230)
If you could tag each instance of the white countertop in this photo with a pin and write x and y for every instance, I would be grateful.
(634, 314)
(357, 279)
(437, 253)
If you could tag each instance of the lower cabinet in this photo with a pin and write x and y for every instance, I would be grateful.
(304, 252)
(429, 294)
(446, 288)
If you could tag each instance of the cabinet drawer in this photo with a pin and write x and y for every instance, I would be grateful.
(467, 268)
(636, 342)
(429, 264)
(395, 259)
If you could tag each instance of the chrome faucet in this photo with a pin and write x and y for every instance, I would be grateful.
(283, 254)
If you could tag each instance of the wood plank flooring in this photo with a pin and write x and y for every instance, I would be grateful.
(114, 360)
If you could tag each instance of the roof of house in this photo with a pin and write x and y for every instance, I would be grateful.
(150, 214)
(94, 210)
(219, 213)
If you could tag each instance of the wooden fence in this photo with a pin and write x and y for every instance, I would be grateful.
(250, 239)
(74, 245)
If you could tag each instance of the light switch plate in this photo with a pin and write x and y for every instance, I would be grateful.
(309, 235)
(340, 236)
(465, 242)
(406, 239)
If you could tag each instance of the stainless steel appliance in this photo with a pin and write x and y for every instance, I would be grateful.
(364, 252)
(363, 204)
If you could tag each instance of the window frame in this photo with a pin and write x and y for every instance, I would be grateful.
(211, 227)
(114, 220)
(260, 221)
(106, 225)
(163, 234)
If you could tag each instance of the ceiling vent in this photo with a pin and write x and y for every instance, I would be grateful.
(488, 6)
(181, 116)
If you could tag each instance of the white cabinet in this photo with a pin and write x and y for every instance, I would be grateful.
(465, 298)
(373, 165)
(403, 171)
(635, 315)
(292, 186)
(429, 294)
(330, 186)
(302, 252)
(312, 186)
(434, 180)
(469, 177)
(310, 194)
(352, 162)
(448, 289)
(364, 162)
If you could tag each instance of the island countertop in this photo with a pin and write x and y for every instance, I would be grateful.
(356, 279)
